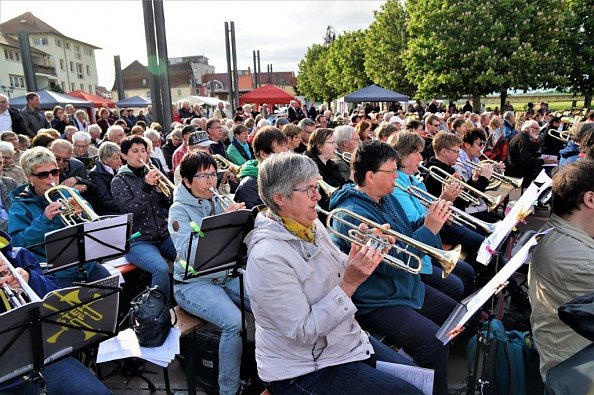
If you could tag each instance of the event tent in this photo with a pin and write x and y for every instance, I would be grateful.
(134, 101)
(268, 94)
(49, 100)
(211, 101)
(97, 101)
(374, 93)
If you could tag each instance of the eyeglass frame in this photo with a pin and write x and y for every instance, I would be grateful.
(310, 191)
(205, 176)
(44, 175)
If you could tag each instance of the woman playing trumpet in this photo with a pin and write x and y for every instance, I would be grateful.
(212, 297)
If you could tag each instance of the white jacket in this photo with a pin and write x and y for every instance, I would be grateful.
(304, 320)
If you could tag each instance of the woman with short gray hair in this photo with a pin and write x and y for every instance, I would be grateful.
(101, 175)
(293, 262)
(9, 167)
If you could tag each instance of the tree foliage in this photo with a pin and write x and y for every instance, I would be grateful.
(311, 80)
(345, 64)
(385, 40)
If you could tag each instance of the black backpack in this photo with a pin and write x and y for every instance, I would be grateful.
(150, 317)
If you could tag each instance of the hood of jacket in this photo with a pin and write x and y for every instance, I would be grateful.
(249, 169)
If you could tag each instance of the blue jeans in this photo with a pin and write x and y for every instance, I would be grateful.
(70, 377)
(458, 285)
(149, 256)
(414, 331)
(96, 273)
(350, 378)
(218, 304)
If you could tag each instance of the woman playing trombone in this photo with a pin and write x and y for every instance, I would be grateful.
(213, 297)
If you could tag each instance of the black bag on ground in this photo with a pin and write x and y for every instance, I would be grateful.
(150, 317)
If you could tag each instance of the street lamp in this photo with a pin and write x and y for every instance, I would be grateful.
(7, 89)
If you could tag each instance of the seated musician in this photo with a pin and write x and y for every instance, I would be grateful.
(460, 283)
(393, 302)
(300, 287)
(134, 191)
(562, 263)
(31, 216)
(102, 174)
(72, 171)
(347, 141)
(268, 140)
(212, 297)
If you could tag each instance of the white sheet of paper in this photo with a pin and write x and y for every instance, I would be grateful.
(115, 237)
(419, 377)
(125, 345)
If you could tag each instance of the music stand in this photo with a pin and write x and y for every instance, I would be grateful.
(88, 241)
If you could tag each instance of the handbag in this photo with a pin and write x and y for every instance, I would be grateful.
(150, 317)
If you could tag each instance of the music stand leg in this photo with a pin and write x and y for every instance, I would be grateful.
(243, 333)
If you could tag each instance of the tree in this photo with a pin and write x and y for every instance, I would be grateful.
(577, 47)
(311, 79)
(385, 40)
(476, 47)
(345, 64)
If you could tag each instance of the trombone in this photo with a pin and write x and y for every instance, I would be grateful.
(69, 212)
(459, 217)
(12, 297)
(225, 200)
(163, 183)
(224, 164)
(563, 135)
(345, 156)
(447, 259)
(515, 182)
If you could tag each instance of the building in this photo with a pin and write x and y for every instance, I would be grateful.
(185, 74)
(58, 60)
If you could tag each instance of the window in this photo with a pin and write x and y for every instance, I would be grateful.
(79, 70)
(63, 86)
(73, 86)
(148, 94)
(88, 51)
(144, 82)
(72, 67)
(17, 81)
(62, 65)
(40, 41)
(12, 55)
(77, 54)
(58, 43)
(82, 87)
(88, 70)
(67, 45)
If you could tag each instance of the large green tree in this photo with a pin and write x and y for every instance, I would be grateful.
(385, 40)
(476, 47)
(345, 64)
(311, 79)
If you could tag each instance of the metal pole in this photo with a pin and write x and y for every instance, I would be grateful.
(235, 74)
(271, 76)
(118, 75)
(163, 62)
(151, 52)
(259, 71)
(255, 76)
(26, 60)
(229, 75)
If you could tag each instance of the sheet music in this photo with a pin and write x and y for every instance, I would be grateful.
(525, 203)
(115, 237)
(419, 377)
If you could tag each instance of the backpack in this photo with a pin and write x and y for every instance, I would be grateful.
(513, 366)
(150, 317)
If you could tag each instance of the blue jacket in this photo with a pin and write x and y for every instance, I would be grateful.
(387, 286)
(569, 154)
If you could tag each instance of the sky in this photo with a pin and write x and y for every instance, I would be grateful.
(281, 30)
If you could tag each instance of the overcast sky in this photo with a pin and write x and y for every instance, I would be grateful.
(281, 30)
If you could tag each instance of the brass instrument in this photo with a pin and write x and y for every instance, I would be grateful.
(327, 188)
(224, 164)
(345, 156)
(459, 217)
(163, 183)
(13, 296)
(69, 212)
(225, 200)
(497, 175)
(467, 197)
(563, 135)
(447, 259)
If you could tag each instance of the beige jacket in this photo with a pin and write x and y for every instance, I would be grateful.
(561, 269)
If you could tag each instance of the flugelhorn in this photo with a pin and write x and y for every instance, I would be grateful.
(445, 178)
(515, 182)
(563, 135)
(69, 213)
(345, 156)
(327, 188)
(459, 217)
(224, 164)
(447, 259)
(225, 200)
(163, 183)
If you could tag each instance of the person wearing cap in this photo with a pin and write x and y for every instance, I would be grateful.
(183, 148)
(197, 142)
(551, 145)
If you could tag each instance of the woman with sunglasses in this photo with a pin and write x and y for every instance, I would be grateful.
(31, 216)
(212, 297)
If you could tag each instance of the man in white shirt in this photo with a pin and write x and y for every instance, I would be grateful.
(10, 120)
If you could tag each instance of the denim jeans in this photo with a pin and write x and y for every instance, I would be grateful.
(218, 304)
(458, 285)
(350, 378)
(70, 377)
(414, 331)
(96, 273)
(149, 256)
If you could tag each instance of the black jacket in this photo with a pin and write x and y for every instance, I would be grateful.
(168, 150)
(18, 123)
(34, 120)
(247, 192)
(102, 200)
(522, 158)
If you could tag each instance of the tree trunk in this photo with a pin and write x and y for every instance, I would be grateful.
(502, 100)
(476, 103)
(588, 100)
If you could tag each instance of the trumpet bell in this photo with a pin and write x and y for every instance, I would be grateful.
(449, 259)
(70, 214)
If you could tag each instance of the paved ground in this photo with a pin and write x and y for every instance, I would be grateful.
(457, 362)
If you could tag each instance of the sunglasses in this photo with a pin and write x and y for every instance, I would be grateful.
(45, 174)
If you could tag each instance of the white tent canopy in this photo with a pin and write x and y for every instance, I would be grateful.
(211, 101)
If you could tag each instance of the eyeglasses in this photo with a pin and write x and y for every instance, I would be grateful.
(205, 176)
(453, 150)
(45, 174)
(436, 125)
(60, 159)
(330, 142)
(310, 192)
(394, 171)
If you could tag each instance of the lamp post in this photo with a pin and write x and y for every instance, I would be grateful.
(7, 89)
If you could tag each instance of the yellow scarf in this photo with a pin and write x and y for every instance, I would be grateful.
(305, 233)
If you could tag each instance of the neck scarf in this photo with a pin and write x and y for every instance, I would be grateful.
(305, 233)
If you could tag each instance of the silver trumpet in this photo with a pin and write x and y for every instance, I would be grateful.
(459, 217)
(225, 200)
(497, 175)
(14, 296)
(345, 156)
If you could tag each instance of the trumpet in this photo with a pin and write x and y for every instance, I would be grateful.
(225, 200)
(447, 259)
(223, 164)
(163, 183)
(459, 217)
(445, 178)
(12, 297)
(563, 135)
(515, 182)
(345, 156)
(69, 213)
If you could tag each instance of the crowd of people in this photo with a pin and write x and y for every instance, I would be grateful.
(313, 294)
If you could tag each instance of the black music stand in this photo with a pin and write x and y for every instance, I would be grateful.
(88, 241)
(221, 248)
(66, 320)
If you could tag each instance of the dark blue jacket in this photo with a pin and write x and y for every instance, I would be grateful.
(102, 199)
